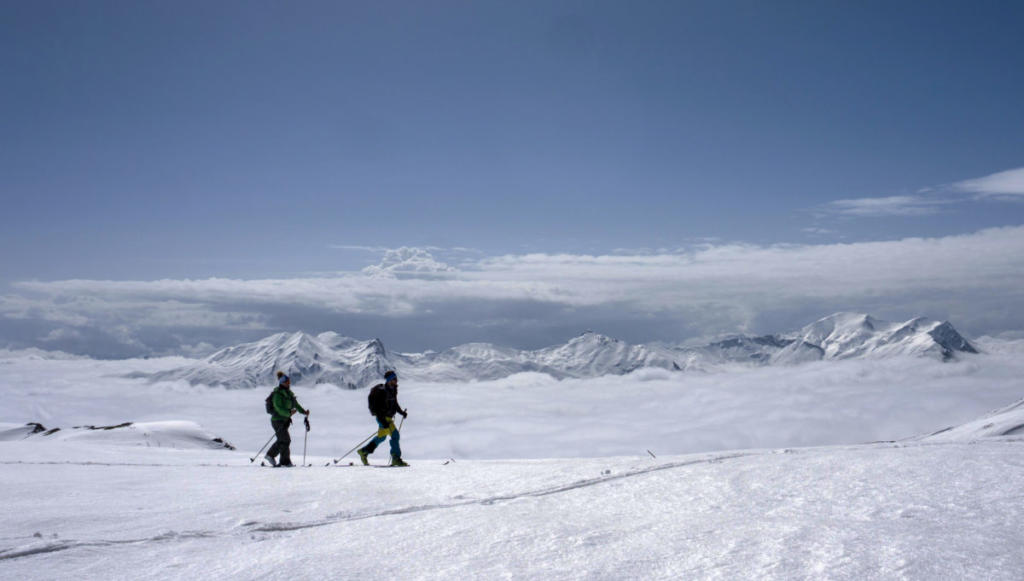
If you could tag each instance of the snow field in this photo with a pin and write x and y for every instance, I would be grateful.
(917, 511)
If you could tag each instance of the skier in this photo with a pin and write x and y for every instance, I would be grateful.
(383, 403)
(284, 405)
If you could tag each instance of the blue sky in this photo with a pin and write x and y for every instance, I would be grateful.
(249, 141)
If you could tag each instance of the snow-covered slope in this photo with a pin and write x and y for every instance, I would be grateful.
(167, 434)
(1007, 421)
(332, 358)
(907, 511)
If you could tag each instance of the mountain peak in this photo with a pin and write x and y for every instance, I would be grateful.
(592, 335)
(950, 340)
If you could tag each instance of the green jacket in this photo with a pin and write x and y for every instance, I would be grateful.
(284, 402)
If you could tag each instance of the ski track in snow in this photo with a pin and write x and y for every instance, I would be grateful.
(57, 546)
(256, 526)
(547, 491)
(252, 526)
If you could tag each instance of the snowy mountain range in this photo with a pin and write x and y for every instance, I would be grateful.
(352, 363)
(324, 358)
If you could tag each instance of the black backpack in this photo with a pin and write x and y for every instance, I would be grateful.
(377, 400)
(270, 402)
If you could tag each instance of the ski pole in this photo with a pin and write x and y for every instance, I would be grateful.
(305, 440)
(356, 446)
(253, 459)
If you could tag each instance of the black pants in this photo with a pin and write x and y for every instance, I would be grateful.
(284, 441)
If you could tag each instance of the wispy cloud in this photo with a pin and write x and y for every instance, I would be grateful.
(1004, 183)
(359, 248)
(887, 206)
(815, 231)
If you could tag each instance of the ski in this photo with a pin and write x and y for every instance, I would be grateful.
(354, 465)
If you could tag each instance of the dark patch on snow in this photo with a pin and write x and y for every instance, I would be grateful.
(124, 425)
(224, 444)
(763, 340)
(1014, 430)
(818, 349)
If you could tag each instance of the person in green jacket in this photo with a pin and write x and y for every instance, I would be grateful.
(285, 405)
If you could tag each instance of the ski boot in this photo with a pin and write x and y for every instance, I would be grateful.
(363, 457)
(270, 460)
(397, 461)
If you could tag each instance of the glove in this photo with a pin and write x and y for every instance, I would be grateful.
(405, 413)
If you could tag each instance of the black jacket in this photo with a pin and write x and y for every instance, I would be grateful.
(383, 401)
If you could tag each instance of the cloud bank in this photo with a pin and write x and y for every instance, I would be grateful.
(415, 302)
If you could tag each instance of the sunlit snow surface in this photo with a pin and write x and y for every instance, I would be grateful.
(550, 479)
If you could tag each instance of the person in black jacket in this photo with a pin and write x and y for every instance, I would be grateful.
(383, 403)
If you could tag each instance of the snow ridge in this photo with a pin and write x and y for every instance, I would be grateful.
(1006, 421)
